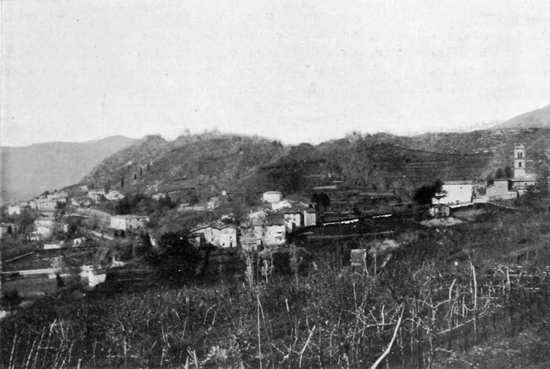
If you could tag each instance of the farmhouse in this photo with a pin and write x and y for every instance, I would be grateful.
(217, 234)
(128, 222)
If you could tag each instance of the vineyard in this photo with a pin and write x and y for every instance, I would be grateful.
(432, 304)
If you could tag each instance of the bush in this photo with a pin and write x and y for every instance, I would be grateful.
(177, 259)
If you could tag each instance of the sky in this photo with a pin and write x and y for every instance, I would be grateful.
(298, 71)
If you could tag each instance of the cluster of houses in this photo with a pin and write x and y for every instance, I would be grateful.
(90, 197)
(466, 192)
(265, 226)
(47, 202)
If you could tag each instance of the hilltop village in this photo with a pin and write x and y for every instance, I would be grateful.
(97, 239)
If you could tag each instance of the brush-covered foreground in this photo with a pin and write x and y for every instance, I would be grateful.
(430, 305)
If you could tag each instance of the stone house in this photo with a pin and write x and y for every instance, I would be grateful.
(128, 222)
(217, 234)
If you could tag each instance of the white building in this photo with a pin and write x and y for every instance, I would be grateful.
(218, 234)
(14, 210)
(272, 196)
(293, 220)
(455, 193)
(440, 211)
(96, 195)
(59, 196)
(500, 190)
(46, 204)
(114, 195)
(44, 227)
(79, 241)
(274, 235)
(128, 222)
(310, 218)
(54, 245)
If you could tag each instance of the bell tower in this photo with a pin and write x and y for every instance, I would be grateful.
(519, 161)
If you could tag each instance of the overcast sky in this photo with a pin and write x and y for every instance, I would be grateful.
(75, 70)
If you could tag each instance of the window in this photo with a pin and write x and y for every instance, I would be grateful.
(519, 164)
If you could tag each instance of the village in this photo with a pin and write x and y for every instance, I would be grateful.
(55, 227)
(86, 244)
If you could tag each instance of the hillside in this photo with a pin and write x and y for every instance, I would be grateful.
(539, 118)
(30, 170)
(245, 166)
(207, 163)
(365, 162)
(498, 143)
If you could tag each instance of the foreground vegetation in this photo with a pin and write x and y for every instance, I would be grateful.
(428, 305)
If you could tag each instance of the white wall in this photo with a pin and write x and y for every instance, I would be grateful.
(455, 194)
(310, 219)
(274, 235)
(293, 221)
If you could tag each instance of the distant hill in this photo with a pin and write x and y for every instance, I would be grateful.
(30, 170)
(246, 166)
(539, 118)
(207, 163)
(377, 163)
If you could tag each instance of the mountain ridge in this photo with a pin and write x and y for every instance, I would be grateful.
(538, 118)
(29, 170)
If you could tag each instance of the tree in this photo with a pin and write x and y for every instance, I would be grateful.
(321, 200)
(25, 221)
(508, 172)
(178, 259)
(500, 173)
(424, 194)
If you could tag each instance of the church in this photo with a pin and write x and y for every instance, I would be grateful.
(521, 180)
